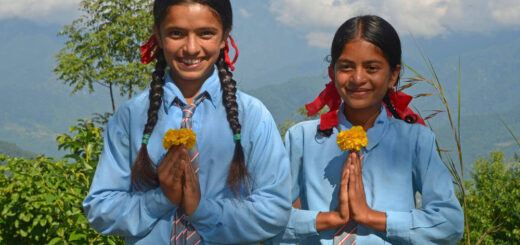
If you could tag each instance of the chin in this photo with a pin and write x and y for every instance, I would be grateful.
(357, 105)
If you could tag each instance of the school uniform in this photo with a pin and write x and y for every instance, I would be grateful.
(113, 207)
(399, 160)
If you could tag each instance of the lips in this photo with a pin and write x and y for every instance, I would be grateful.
(190, 63)
(358, 92)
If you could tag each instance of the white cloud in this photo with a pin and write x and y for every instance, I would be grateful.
(52, 11)
(244, 13)
(506, 11)
(426, 18)
(320, 39)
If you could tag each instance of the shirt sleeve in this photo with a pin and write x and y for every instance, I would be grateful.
(111, 206)
(302, 223)
(440, 220)
(265, 211)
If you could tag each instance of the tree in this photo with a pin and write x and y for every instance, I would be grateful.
(493, 210)
(103, 47)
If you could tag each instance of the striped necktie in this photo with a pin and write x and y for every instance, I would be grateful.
(183, 232)
(346, 235)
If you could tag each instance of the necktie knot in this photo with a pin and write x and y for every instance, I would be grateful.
(189, 109)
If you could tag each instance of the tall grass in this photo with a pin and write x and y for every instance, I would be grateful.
(451, 164)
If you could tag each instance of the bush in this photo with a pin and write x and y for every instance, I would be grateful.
(493, 194)
(41, 199)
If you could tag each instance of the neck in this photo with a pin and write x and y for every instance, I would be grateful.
(362, 117)
(189, 88)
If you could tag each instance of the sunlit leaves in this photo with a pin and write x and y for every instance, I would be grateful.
(102, 46)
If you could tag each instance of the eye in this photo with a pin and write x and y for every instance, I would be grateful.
(207, 34)
(346, 67)
(175, 34)
(372, 68)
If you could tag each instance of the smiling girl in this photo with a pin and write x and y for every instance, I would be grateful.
(345, 198)
(235, 188)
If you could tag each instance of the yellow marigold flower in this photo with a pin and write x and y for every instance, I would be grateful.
(352, 139)
(179, 136)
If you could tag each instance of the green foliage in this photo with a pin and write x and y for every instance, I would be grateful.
(103, 46)
(85, 143)
(493, 210)
(41, 199)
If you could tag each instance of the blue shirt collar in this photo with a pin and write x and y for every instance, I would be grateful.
(374, 134)
(211, 85)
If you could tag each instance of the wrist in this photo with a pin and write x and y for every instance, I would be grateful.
(374, 219)
(329, 220)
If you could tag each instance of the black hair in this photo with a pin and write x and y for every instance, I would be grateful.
(377, 31)
(144, 174)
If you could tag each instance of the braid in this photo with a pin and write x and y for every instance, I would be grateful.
(238, 173)
(143, 174)
(325, 133)
(409, 118)
(391, 107)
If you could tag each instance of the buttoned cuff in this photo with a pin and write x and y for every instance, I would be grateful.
(302, 223)
(157, 204)
(204, 214)
(398, 226)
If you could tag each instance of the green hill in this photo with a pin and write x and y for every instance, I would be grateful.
(283, 99)
(12, 150)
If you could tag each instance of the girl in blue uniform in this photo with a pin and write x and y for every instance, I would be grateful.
(241, 193)
(346, 198)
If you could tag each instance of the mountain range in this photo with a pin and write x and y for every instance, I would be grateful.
(35, 106)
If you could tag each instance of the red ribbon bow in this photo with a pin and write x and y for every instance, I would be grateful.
(330, 97)
(149, 50)
(400, 102)
(226, 52)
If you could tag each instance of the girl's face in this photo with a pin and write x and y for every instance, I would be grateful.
(191, 37)
(363, 75)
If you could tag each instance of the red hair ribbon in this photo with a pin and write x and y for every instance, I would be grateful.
(149, 50)
(330, 97)
(226, 52)
(400, 102)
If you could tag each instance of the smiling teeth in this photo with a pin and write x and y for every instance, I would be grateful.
(191, 61)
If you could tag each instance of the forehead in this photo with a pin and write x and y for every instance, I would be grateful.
(191, 15)
(361, 50)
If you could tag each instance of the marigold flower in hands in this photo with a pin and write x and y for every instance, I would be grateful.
(352, 139)
(175, 137)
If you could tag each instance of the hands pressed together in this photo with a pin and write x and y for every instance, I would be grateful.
(178, 180)
(352, 205)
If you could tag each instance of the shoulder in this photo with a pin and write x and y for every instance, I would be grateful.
(412, 131)
(416, 136)
(252, 109)
(132, 109)
(304, 128)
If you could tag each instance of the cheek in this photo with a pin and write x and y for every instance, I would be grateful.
(340, 82)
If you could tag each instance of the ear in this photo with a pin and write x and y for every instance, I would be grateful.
(225, 36)
(157, 34)
(395, 76)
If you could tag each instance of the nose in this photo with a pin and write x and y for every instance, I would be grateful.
(358, 77)
(192, 46)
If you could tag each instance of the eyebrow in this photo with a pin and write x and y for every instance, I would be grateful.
(207, 28)
(364, 62)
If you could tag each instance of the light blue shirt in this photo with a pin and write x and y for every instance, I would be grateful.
(113, 207)
(400, 159)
